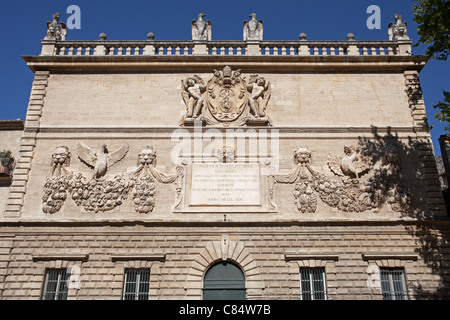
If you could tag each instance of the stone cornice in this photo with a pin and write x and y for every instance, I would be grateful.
(335, 133)
(7, 125)
(381, 256)
(129, 225)
(144, 257)
(295, 256)
(203, 63)
(67, 257)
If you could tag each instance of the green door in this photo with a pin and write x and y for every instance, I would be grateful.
(224, 281)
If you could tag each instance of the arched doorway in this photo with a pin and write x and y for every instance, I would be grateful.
(224, 281)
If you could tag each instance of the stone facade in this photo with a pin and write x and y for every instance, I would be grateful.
(351, 183)
(178, 257)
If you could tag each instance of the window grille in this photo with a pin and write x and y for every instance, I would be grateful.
(313, 283)
(136, 284)
(393, 284)
(56, 284)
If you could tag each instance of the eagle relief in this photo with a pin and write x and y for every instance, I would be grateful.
(227, 99)
(347, 191)
(98, 193)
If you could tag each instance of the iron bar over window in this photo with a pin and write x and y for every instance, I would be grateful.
(393, 284)
(56, 284)
(313, 283)
(136, 284)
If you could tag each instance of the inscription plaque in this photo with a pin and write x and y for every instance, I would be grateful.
(225, 184)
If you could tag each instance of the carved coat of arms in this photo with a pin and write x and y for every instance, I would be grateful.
(227, 99)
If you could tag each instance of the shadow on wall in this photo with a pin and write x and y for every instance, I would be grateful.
(423, 199)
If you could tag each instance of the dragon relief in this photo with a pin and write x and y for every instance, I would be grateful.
(347, 192)
(226, 99)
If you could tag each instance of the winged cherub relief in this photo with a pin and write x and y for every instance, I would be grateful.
(260, 93)
(192, 90)
(100, 161)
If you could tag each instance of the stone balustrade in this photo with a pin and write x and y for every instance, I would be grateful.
(226, 48)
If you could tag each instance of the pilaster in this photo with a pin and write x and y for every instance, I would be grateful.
(27, 144)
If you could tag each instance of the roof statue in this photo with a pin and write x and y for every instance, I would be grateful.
(56, 30)
(201, 30)
(398, 30)
(253, 29)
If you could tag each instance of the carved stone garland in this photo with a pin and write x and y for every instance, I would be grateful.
(55, 188)
(144, 177)
(98, 193)
(348, 193)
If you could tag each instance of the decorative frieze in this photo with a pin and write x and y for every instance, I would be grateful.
(98, 193)
(220, 184)
(348, 192)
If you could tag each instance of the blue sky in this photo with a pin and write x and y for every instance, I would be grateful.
(24, 25)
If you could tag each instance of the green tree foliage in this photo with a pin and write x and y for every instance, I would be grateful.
(433, 19)
(444, 110)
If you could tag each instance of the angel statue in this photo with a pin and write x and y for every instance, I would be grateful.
(398, 30)
(191, 92)
(353, 164)
(101, 161)
(253, 29)
(56, 30)
(201, 30)
(260, 93)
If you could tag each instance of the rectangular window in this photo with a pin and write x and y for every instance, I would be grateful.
(56, 284)
(136, 284)
(393, 284)
(313, 283)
